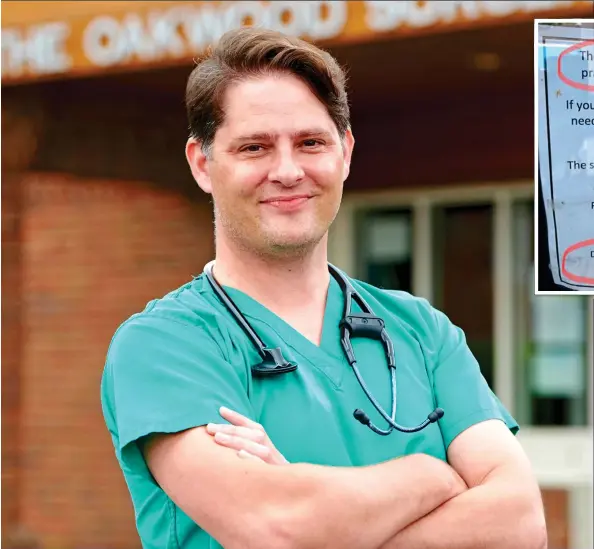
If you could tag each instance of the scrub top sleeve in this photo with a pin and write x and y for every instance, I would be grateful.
(459, 386)
(167, 377)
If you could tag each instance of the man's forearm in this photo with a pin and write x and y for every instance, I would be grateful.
(495, 515)
(364, 507)
(247, 503)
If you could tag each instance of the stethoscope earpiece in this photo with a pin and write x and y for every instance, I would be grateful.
(436, 415)
(361, 416)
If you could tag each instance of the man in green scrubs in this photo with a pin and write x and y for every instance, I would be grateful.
(216, 457)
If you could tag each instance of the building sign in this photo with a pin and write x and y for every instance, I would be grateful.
(566, 150)
(66, 40)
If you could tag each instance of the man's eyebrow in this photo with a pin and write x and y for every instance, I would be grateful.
(266, 136)
(260, 136)
(312, 132)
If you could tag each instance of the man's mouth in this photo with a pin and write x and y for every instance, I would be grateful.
(287, 203)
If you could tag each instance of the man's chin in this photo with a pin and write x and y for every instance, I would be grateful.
(291, 245)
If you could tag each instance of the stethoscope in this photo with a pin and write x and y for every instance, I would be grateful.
(364, 324)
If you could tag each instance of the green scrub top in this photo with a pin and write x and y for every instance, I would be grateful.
(171, 367)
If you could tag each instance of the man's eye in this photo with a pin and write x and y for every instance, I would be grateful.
(312, 142)
(252, 148)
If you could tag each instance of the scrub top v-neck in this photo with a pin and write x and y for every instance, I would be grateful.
(173, 365)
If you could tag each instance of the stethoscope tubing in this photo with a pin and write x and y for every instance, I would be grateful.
(281, 366)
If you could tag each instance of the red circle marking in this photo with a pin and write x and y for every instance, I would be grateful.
(567, 80)
(573, 248)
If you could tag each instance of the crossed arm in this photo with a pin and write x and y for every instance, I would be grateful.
(502, 507)
(486, 498)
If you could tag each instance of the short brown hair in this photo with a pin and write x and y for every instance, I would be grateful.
(247, 52)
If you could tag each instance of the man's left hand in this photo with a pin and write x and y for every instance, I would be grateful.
(246, 436)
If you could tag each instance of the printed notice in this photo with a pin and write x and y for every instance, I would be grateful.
(566, 150)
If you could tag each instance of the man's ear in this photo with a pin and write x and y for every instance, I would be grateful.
(348, 145)
(198, 163)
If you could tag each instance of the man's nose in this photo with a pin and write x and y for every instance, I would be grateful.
(286, 169)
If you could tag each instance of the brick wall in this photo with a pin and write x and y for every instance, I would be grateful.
(99, 215)
(93, 252)
(11, 347)
(21, 122)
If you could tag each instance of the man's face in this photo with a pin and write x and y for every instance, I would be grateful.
(277, 167)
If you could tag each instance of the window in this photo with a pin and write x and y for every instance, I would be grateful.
(384, 244)
(548, 335)
(551, 341)
(463, 281)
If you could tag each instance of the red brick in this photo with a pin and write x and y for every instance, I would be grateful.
(556, 502)
(93, 253)
(11, 347)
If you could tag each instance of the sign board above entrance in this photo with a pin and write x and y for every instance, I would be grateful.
(57, 39)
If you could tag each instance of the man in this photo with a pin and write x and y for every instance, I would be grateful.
(217, 457)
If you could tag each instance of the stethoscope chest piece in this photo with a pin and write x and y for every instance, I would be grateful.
(273, 364)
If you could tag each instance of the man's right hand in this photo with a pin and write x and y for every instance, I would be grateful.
(245, 436)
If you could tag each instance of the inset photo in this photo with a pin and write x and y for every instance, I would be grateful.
(564, 217)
